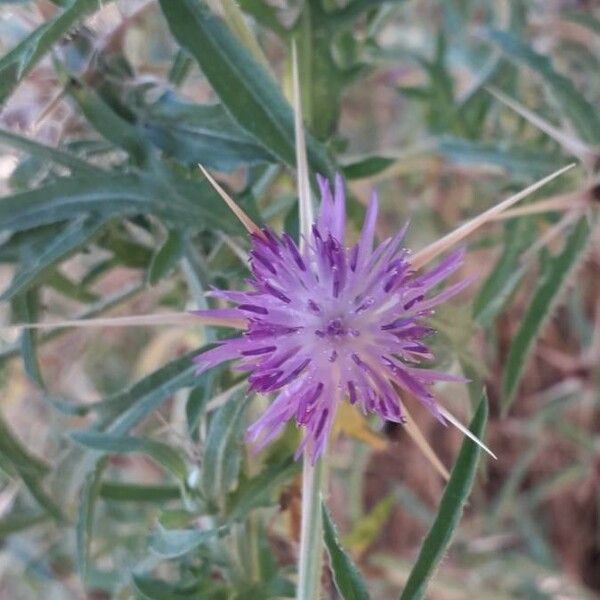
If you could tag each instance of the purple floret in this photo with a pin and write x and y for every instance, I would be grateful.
(332, 323)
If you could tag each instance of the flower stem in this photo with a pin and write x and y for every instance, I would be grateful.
(311, 543)
(311, 548)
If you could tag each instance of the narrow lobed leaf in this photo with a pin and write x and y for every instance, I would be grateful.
(347, 579)
(540, 308)
(449, 512)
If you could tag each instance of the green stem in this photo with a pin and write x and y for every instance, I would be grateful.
(311, 541)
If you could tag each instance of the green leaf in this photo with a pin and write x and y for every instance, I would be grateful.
(245, 89)
(108, 123)
(222, 456)
(198, 399)
(131, 492)
(19, 522)
(36, 489)
(355, 8)
(551, 283)
(273, 589)
(55, 155)
(347, 579)
(18, 455)
(367, 167)
(22, 246)
(166, 257)
(75, 234)
(190, 203)
(200, 133)
(155, 589)
(24, 56)
(264, 14)
(178, 518)
(71, 197)
(126, 409)
(180, 68)
(68, 288)
(85, 519)
(572, 105)
(15, 459)
(171, 543)
(125, 250)
(258, 491)
(519, 162)
(162, 454)
(506, 274)
(450, 510)
(25, 309)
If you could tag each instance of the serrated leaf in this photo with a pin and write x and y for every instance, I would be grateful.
(20, 246)
(23, 57)
(171, 543)
(347, 579)
(189, 203)
(200, 133)
(245, 89)
(550, 285)
(48, 153)
(162, 454)
(70, 197)
(222, 450)
(449, 512)
(572, 105)
(109, 124)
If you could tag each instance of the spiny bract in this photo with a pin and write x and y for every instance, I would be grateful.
(331, 323)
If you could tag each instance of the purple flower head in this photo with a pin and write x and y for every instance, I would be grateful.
(332, 324)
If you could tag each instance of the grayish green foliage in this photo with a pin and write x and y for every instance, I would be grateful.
(121, 191)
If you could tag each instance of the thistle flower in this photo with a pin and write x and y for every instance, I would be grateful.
(330, 324)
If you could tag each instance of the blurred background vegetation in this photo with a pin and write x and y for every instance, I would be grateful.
(111, 450)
